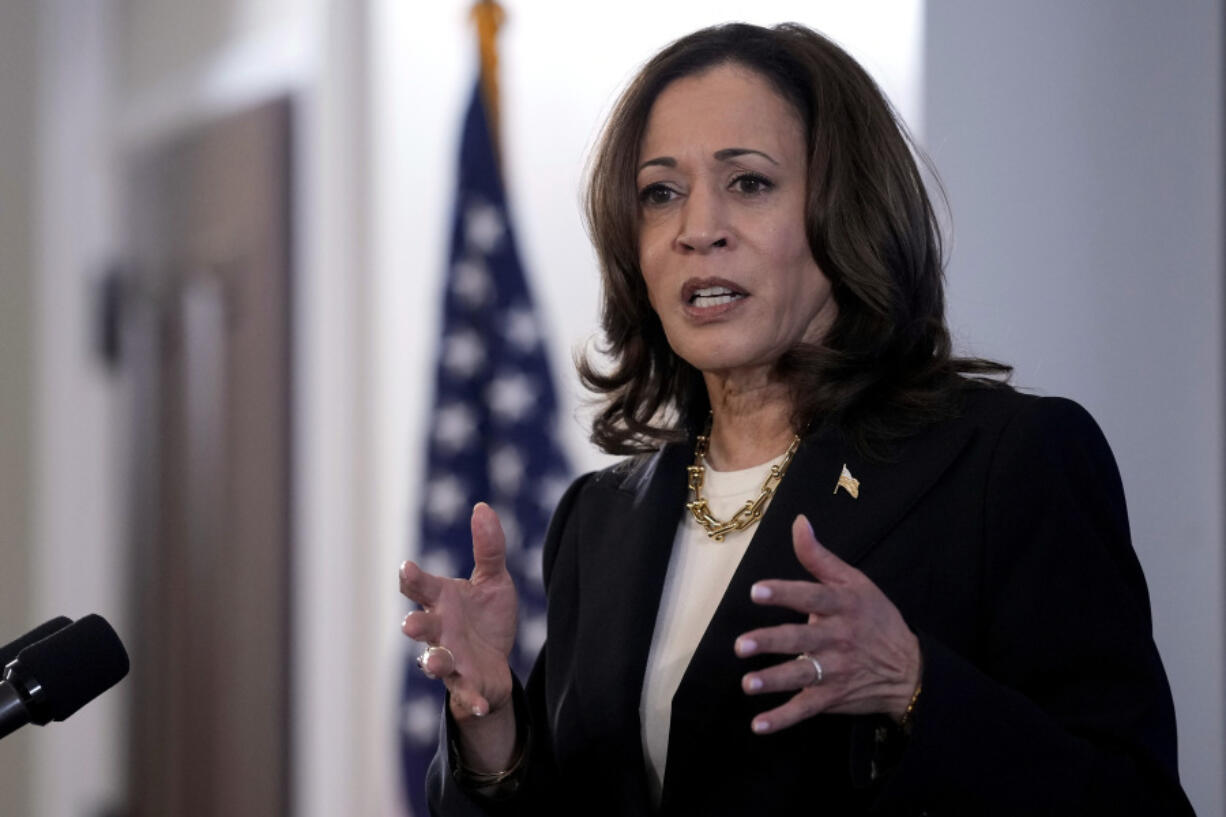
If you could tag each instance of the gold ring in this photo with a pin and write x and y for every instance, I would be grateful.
(817, 668)
(425, 656)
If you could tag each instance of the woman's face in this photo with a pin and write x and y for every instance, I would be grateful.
(722, 247)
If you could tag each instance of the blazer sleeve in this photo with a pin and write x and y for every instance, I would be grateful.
(533, 792)
(1066, 710)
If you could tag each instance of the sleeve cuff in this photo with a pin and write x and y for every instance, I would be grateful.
(506, 784)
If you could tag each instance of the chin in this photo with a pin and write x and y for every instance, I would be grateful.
(723, 348)
(717, 361)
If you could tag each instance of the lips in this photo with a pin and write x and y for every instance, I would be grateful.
(710, 299)
(708, 292)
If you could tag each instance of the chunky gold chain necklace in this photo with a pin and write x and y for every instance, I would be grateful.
(747, 514)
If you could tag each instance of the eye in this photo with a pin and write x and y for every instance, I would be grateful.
(656, 195)
(751, 184)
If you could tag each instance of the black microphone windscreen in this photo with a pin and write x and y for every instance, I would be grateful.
(9, 651)
(75, 665)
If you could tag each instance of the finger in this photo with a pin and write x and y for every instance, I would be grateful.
(816, 559)
(783, 638)
(798, 673)
(465, 700)
(420, 625)
(437, 662)
(489, 543)
(419, 585)
(804, 704)
(466, 694)
(804, 597)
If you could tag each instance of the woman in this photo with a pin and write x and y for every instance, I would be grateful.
(841, 570)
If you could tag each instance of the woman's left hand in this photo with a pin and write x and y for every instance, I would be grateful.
(869, 658)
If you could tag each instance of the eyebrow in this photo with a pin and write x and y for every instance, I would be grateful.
(731, 153)
(720, 156)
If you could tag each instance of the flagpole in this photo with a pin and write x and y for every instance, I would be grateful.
(489, 17)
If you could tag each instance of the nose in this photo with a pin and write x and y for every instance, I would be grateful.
(704, 224)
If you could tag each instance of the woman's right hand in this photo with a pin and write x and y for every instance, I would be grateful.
(475, 620)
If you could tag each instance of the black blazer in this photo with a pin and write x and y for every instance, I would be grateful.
(1001, 536)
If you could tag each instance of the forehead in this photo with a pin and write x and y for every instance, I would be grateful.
(725, 106)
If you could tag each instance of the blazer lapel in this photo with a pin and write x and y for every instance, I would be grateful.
(622, 577)
(849, 527)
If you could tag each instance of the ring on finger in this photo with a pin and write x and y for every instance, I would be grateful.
(425, 657)
(817, 667)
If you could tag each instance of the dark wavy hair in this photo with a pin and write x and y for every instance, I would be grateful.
(885, 367)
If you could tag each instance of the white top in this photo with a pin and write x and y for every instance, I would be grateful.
(698, 574)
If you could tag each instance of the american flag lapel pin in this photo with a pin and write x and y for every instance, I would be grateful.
(848, 483)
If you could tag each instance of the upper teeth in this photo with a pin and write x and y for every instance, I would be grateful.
(711, 292)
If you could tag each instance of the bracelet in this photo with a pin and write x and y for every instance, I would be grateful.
(908, 716)
(483, 780)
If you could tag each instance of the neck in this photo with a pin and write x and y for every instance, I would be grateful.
(752, 421)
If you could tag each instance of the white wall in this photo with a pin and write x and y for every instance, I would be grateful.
(18, 102)
(1081, 145)
(79, 494)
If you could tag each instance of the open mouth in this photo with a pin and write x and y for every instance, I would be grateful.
(706, 294)
(714, 296)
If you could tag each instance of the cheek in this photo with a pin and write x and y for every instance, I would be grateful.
(818, 289)
(807, 289)
(795, 245)
(650, 267)
(805, 281)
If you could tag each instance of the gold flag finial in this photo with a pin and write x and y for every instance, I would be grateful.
(489, 17)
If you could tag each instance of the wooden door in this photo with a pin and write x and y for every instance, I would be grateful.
(208, 345)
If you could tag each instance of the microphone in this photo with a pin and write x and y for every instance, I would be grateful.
(9, 651)
(54, 677)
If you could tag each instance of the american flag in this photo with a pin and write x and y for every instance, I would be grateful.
(492, 432)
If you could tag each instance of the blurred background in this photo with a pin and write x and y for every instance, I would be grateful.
(224, 232)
